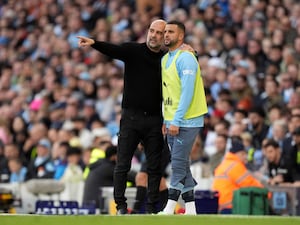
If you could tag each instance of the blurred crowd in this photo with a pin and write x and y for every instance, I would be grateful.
(60, 104)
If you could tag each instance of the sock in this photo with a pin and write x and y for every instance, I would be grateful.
(140, 198)
(163, 196)
(172, 201)
(190, 208)
(170, 207)
(189, 199)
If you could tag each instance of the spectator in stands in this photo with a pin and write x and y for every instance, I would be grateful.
(241, 116)
(255, 156)
(287, 88)
(295, 152)
(280, 166)
(59, 156)
(241, 89)
(292, 149)
(279, 131)
(19, 131)
(221, 147)
(73, 172)
(220, 128)
(275, 112)
(270, 96)
(41, 166)
(89, 112)
(255, 53)
(221, 81)
(11, 151)
(232, 174)
(257, 126)
(105, 102)
(17, 170)
(72, 108)
(37, 132)
(81, 130)
(75, 27)
(56, 114)
(236, 129)
(149, 7)
(294, 100)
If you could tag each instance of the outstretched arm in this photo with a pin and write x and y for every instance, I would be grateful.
(109, 49)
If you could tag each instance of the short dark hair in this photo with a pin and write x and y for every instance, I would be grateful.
(258, 110)
(179, 24)
(271, 142)
(242, 111)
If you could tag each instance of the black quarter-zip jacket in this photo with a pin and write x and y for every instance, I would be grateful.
(142, 74)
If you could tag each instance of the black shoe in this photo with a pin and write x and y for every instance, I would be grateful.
(122, 211)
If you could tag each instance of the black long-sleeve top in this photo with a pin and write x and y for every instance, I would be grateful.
(142, 75)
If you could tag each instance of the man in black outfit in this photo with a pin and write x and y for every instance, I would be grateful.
(141, 119)
(280, 166)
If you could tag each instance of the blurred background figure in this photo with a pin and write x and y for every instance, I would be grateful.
(100, 175)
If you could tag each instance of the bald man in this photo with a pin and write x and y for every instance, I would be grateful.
(141, 119)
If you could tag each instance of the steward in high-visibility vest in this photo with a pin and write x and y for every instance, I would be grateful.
(232, 174)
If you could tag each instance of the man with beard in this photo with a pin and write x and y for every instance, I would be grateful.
(280, 166)
(257, 126)
(184, 109)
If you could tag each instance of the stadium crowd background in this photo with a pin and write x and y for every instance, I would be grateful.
(53, 93)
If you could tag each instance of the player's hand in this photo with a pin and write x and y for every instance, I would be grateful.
(187, 47)
(173, 130)
(84, 41)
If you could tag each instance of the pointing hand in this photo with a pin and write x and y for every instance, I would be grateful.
(84, 41)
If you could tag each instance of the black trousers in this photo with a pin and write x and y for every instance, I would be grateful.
(135, 127)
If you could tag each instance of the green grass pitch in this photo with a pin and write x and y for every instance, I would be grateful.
(146, 220)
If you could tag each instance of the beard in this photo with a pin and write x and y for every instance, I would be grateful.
(153, 45)
(170, 43)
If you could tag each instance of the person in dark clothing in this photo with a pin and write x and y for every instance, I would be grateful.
(280, 166)
(257, 126)
(10, 152)
(291, 148)
(141, 183)
(296, 157)
(41, 167)
(141, 119)
(100, 175)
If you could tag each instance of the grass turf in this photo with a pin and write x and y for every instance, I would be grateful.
(146, 220)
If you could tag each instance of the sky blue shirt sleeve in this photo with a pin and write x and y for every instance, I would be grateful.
(187, 67)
